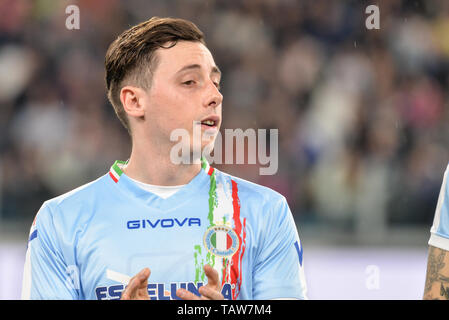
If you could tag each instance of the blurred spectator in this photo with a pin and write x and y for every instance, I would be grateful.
(362, 114)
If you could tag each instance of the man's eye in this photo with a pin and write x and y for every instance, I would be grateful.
(217, 85)
(189, 82)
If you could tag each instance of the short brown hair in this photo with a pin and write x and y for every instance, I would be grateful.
(130, 58)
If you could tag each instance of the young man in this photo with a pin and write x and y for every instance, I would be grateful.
(202, 234)
(437, 278)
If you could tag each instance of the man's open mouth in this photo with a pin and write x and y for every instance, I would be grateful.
(211, 121)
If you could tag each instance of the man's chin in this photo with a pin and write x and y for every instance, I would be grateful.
(208, 133)
(192, 154)
(206, 148)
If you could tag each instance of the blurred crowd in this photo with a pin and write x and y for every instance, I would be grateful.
(362, 114)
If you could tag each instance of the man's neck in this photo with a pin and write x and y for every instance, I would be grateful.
(156, 168)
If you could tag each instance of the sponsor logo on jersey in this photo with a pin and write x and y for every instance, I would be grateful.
(221, 241)
(159, 291)
(163, 223)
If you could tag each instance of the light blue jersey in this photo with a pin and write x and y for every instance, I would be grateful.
(439, 236)
(88, 243)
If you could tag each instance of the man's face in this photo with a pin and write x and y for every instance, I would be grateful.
(184, 94)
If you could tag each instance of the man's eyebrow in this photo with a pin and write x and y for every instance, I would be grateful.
(215, 69)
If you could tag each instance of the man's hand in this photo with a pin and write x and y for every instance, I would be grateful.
(211, 291)
(137, 288)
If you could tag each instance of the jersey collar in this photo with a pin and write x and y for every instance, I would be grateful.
(116, 170)
(201, 180)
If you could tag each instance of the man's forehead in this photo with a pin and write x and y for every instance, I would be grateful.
(186, 55)
(195, 66)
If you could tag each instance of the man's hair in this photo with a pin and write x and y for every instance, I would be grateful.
(131, 58)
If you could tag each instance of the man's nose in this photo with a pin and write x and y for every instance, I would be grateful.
(214, 97)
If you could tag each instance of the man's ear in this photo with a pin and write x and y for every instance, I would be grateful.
(132, 100)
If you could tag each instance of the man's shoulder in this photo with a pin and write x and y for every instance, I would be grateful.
(261, 205)
(74, 202)
(83, 192)
(252, 191)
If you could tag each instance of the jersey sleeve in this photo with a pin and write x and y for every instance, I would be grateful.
(439, 232)
(46, 275)
(279, 272)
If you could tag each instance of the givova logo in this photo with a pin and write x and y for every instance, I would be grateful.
(163, 223)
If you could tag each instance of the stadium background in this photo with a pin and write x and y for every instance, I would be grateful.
(362, 118)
